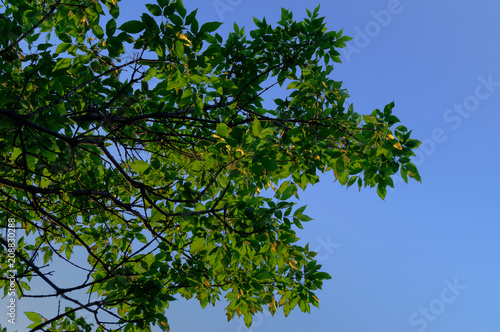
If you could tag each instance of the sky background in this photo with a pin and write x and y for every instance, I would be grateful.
(427, 258)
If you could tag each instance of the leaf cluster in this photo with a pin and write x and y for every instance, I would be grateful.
(150, 147)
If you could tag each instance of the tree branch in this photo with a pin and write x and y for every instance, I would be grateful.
(11, 46)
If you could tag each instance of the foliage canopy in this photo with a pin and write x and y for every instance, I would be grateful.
(149, 147)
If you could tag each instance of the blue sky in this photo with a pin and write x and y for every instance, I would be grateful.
(426, 258)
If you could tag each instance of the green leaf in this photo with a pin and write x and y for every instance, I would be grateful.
(63, 63)
(293, 85)
(139, 166)
(154, 9)
(61, 48)
(322, 276)
(47, 256)
(303, 217)
(415, 175)
(44, 183)
(25, 285)
(351, 181)
(65, 38)
(269, 164)
(248, 320)
(194, 26)
(288, 192)
(381, 190)
(150, 23)
(210, 27)
(196, 79)
(187, 96)
(98, 31)
(344, 176)
(43, 47)
(15, 153)
(129, 327)
(413, 143)
(197, 245)
(160, 50)
(176, 20)
(181, 9)
(68, 251)
(34, 317)
(191, 18)
(388, 109)
(339, 166)
(144, 86)
(222, 130)
(133, 26)
(404, 174)
(256, 127)
(110, 27)
(300, 210)
(150, 73)
(179, 49)
(360, 183)
(114, 11)
(141, 238)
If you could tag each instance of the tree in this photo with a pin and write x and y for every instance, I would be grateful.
(150, 148)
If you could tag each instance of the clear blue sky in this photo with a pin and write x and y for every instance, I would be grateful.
(427, 258)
